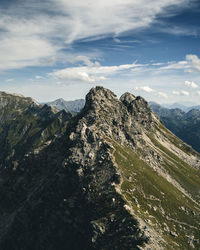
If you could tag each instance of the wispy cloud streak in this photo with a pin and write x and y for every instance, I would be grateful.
(31, 32)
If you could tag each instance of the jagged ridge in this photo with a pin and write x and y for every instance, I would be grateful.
(116, 165)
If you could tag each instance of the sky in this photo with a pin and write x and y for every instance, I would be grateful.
(61, 48)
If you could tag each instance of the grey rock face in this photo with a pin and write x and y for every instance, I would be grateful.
(118, 119)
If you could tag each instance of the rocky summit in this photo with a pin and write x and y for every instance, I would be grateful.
(111, 177)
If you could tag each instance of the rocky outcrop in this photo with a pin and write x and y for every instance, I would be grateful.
(107, 181)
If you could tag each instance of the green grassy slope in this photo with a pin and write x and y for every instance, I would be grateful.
(156, 201)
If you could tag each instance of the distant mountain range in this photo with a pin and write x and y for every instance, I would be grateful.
(77, 105)
(69, 106)
(186, 125)
(183, 107)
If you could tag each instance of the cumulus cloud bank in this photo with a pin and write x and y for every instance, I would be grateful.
(145, 89)
(191, 84)
(193, 61)
(93, 72)
(190, 64)
(181, 93)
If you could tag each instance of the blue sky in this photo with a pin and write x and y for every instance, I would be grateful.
(62, 48)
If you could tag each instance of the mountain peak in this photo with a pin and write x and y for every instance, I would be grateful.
(134, 104)
(99, 95)
(127, 98)
(99, 90)
(112, 177)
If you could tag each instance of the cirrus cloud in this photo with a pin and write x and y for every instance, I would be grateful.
(33, 32)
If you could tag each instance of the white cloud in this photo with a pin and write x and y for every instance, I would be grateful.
(39, 77)
(193, 61)
(191, 84)
(157, 64)
(30, 36)
(151, 91)
(117, 40)
(10, 80)
(32, 80)
(78, 74)
(174, 92)
(175, 65)
(145, 89)
(91, 19)
(177, 30)
(58, 83)
(85, 59)
(162, 94)
(198, 92)
(181, 93)
(93, 73)
(17, 52)
(184, 93)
